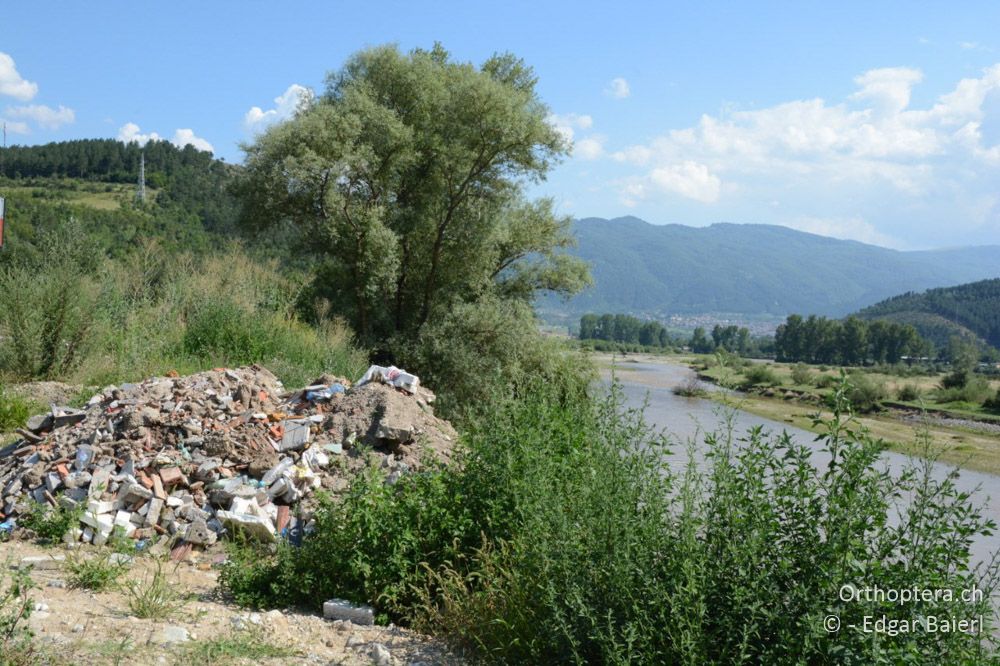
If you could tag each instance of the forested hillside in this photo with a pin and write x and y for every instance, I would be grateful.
(938, 314)
(189, 204)
(641, 268)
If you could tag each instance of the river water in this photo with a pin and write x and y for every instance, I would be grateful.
(689, 418)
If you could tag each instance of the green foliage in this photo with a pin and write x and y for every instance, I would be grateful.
(232, 648)
(993, 404)
(969, 311)
(13, 411)
(50, 523)
(974, 390)
(562, 538)
(759, 374)
(47, 306)
(864, 393)
(154, 596)
(406, 178)
(908, 393)
(95, 571)
(849, 342)
(750, 269)
(624, 329)
(801, 374)
(15, 609)
(478, 353)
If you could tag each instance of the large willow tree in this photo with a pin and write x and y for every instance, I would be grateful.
(406, 177)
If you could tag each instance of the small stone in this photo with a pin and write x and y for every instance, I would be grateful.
(58, 583)
(338, 609)
(380, 655)
(170, 635)
(77, 628)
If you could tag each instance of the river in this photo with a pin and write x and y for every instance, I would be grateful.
(685, 418)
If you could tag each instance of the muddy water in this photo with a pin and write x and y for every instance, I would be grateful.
(685, 419)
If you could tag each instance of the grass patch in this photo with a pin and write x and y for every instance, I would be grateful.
(231, 648)
(154, 597)
(51, 523)
(96, 572)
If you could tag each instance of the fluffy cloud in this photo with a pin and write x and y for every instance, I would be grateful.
(186, 137)
(872, 148)
(567, 124)
(130, 132)
(11, 83)
(618, 88)
(285, 105)
(589, 148)
(43, 116)
(689, 179)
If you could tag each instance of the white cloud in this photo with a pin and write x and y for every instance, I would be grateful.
(589, 148)
(130, 132)
(567, 124)
(185, 137)
(43, 116)
(16, 127)
(11, 83)
(285, 105)
(864, 167)
(688, 179)
(618, 88)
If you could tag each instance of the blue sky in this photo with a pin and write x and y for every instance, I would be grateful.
(878, 122)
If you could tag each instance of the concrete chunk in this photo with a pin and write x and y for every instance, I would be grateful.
(338, 609)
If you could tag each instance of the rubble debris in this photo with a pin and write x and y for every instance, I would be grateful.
(185, 460)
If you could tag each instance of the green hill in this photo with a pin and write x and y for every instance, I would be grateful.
(188, 204)
(750, 269)
(968, 310)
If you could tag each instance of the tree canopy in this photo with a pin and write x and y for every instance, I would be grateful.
(406, 176)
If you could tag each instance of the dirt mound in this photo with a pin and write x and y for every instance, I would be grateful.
(191, 458)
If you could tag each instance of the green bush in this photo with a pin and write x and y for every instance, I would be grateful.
(15, 609)
(974, 391)
(562, 538)
(908, 393)
(13, 411)
(759, 374)
(50, 523)
(825, 381)
(864, 393)
(801, 374)
(97, 572)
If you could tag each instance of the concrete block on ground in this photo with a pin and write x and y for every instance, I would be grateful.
(338, 609)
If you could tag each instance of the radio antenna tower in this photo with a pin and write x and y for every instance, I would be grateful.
(140, 193)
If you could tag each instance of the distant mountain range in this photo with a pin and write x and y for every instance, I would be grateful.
(751, 269)
(971, 311)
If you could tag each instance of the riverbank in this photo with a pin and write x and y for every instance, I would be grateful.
(902, 432)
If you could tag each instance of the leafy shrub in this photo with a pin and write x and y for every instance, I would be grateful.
(562, 538)
(47, 303)
(993, 404)
(13, 411)
(825, 381)
(801, 374)
(973, 392)
(483, 352)
(15, 609)
(51, 523)
(759, 374)
(864, 393)
(908, 393)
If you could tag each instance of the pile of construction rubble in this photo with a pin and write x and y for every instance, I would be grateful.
(191, 458)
